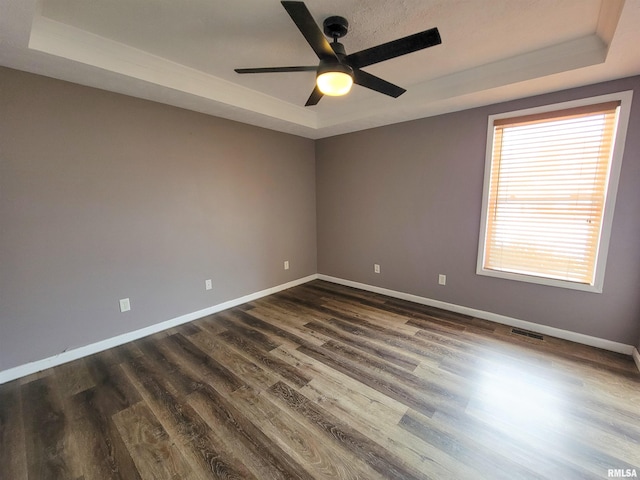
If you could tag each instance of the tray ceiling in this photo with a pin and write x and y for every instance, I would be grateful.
(184, 53)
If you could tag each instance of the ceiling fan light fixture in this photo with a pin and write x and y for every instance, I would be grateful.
(337, 71)
(335, 80)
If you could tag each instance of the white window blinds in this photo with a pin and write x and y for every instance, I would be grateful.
(547, 191)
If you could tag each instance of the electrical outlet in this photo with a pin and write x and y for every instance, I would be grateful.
(208, 285)
(376, 268)
(442, 279)
(125, 305)
(286, 264)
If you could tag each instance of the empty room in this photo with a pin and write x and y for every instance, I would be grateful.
(319, 240)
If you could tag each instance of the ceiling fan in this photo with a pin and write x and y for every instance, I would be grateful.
(337, 71)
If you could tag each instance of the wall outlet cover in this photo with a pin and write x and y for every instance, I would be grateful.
(125, 305)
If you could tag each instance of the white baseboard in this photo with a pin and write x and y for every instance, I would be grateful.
(494, 317)
(68, 356)
(636, 358)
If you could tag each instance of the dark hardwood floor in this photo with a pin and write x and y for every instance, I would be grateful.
(323, 381)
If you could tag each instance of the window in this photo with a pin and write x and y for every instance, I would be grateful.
(551, 177)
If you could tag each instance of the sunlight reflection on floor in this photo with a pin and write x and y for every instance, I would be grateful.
(518, 397)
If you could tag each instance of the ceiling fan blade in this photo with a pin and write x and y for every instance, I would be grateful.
(367, 80)
(315, 97)
(276, 69)
(301, 16)
(395, 48)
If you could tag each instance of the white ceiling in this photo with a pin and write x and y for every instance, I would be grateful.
(183, 53)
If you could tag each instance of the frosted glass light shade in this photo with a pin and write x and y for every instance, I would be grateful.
(334, 83)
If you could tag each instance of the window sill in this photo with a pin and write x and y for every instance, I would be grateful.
(550, 282)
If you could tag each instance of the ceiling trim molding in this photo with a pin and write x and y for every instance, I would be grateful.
(423, 97)
(610, 11)
(62, 40)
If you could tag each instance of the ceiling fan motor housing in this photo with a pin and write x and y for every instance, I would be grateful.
(339, 50)
(333, 66)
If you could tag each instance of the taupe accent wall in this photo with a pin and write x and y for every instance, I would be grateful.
(104, 196)
(408, 197)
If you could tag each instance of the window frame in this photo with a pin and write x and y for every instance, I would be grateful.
(625, 99)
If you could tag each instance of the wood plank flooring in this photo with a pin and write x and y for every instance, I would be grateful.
(326, 382)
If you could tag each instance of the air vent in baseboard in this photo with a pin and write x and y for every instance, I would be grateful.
(526, 333)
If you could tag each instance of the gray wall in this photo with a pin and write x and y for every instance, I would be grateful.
(408, 196)
(104, 196)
